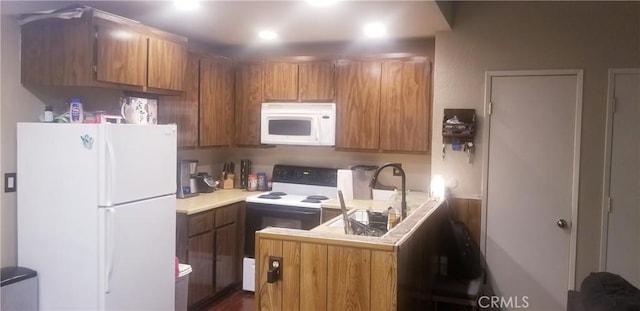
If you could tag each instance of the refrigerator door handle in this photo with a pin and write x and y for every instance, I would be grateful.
(109, 254)
(111, 177)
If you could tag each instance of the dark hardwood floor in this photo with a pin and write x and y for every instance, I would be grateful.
(237, 300)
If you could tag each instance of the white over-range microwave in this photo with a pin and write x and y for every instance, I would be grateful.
(310, 124)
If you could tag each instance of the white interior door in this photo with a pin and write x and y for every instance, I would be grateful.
(531, 170)
(622, 219)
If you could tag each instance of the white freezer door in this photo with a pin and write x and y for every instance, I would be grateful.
(137, 162)
(138, 255)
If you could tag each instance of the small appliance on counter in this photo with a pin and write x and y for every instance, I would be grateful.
(206, 183)
(187, 179)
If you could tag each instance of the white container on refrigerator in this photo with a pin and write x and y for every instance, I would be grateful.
(96, 214)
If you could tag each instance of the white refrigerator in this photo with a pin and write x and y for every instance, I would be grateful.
(96, 214)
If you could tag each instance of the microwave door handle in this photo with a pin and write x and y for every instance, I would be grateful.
(317, 129)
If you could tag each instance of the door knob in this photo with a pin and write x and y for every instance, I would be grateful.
(561, 223)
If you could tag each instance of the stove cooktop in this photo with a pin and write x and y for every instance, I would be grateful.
(282, 198)
(299, 186)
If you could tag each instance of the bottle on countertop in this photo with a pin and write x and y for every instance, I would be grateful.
(76, 113)
(262, 181)
(394, 210)
(48, 114)
(252, 184)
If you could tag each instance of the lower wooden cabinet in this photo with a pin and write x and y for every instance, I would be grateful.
(200, 257)
(210, 241)
(226, 256)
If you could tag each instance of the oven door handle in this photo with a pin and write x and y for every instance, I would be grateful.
(272, 210)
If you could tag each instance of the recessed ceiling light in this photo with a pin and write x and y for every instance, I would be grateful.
(375, 30)
(267, 35)
(186, 5)
(322, 2)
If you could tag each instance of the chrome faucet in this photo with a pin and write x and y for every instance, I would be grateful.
(403, 203)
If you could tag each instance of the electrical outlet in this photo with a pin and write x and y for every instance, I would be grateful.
(275, 266)
(396, 172)
(10, 180)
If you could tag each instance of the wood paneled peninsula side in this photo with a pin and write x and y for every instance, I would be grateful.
(325, 269)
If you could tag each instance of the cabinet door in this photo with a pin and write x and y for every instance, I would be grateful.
(405, 105)
(316, 81)
(226, 256)
(358, 104)
(183, 110)
(216, 101)
(121, 55)
(201, 259)
(167, 63)
(281, 81)
(248, 103)
(58, 52)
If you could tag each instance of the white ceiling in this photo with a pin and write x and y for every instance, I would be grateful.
(237, 22)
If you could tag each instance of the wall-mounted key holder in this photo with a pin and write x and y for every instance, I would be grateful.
(459, 130)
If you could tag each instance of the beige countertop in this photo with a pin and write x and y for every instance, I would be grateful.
(207, 201)
(414, 200)
(391, 239)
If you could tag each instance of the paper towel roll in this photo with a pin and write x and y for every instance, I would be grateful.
(345, 183)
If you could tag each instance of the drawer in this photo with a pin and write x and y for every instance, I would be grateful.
(200, 222)
(226, 215)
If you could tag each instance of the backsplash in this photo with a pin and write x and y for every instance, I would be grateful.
(417, 167)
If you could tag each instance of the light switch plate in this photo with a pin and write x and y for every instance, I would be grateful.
(10, 182)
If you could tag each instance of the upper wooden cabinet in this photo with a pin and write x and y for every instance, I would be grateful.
(299, 80)
(316, 81)
(183, 110)
(121, 54)
(405, 106)
(281, 81)
(204, 113)
(249, 98)
(166, 64)
(384, 104)
(91, 51)
(216, 102)
(358, 104)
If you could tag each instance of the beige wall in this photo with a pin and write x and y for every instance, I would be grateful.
(16, 104)
(593, 36)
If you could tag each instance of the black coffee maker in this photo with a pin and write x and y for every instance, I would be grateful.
(206, 183)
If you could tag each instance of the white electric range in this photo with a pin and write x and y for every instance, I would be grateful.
(294, 202)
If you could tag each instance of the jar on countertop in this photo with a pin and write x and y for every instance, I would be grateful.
(262, 181)
(252, 184)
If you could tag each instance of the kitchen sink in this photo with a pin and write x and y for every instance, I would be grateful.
(364, 222)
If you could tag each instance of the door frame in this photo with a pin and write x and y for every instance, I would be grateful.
(606, 180)
(579, 73)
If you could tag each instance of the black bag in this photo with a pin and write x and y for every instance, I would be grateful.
(465, 259)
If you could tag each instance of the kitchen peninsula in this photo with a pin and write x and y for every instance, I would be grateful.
(325, 269)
